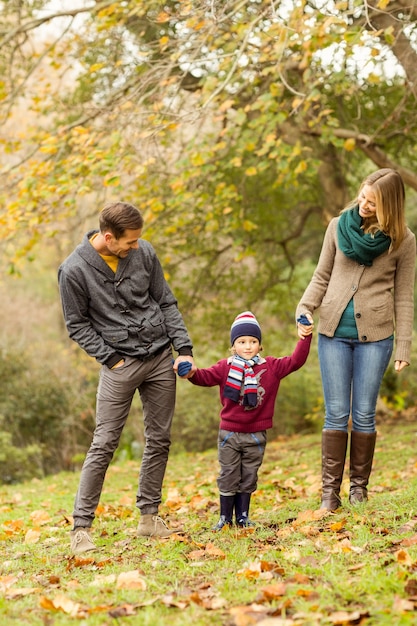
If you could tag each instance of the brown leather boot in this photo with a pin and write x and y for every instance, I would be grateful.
(362, 447)
(333, 447)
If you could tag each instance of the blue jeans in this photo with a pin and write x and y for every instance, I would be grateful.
(351, 373)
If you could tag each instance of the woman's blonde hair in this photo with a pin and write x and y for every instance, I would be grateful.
(389, 191)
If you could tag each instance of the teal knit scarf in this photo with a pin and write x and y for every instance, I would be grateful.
(356, 244)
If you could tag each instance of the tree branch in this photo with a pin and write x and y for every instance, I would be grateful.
(35, 23)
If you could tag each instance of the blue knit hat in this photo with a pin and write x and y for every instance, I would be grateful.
(245, 324)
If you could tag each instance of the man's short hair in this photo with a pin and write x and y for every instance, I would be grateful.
(118, 217)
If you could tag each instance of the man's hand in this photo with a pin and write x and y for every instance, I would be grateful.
(184, 366)
(118, 364)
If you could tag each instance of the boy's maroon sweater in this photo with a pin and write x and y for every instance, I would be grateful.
(269, 373)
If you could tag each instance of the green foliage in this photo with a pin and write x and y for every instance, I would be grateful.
(239, 129)
(18, 464)
(41, 427)
(196, 421)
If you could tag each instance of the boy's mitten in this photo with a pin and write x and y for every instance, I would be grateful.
(303, 319)
(183, 368)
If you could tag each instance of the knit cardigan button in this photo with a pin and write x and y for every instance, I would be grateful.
(364, 337)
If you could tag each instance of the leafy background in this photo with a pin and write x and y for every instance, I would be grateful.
(239, 128)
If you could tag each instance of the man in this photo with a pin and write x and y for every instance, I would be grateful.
(119, 308)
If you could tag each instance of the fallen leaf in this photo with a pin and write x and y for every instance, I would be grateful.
(344, 617)
(401, 604)
(271, 592)
(17, 592)
(337, 526)
(32, 536)
(130, 580)
(102, 581)
(407, 526)
(248, 615)
(125, 610)
(213, 551)
(171, 600)
(353, 568)
(403, 557)
(60, 603)
(40, 518)
(411, 587)
(409, 541)
(7, 581)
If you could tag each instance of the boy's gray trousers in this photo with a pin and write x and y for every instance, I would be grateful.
(240, 457)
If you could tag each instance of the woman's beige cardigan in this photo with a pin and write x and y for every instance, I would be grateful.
(383, 294)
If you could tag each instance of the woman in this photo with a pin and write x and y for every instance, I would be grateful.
(364, 285)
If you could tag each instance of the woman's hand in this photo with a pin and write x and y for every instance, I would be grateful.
(303, 329)
(400, 365)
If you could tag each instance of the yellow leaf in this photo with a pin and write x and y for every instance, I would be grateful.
(349, 144)
(251, 171)
(248, 225)
(297, 102)
(226, 105)
(112, 181)
(80, 130)
(301, 167)
(95, 67)
(403, 557)
(162, 17)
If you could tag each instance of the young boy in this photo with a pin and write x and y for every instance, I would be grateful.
(248, 388)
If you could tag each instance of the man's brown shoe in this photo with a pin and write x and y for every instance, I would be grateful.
(81, 541)
(153, 526)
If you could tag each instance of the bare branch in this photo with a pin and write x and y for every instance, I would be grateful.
(35, 23)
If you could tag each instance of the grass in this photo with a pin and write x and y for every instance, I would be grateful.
(298, 566)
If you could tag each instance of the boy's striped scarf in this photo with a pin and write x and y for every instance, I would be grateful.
(241, 373)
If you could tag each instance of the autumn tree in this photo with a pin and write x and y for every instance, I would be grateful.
(238, 127)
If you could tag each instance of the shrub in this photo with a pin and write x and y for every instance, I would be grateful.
(38, 417)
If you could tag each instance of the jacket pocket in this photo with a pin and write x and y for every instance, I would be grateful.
(153, 328)
(115, 336)
(382, 312)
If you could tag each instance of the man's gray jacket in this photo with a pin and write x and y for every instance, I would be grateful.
(130, 313)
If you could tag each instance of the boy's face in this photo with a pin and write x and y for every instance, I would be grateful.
(246, 347)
